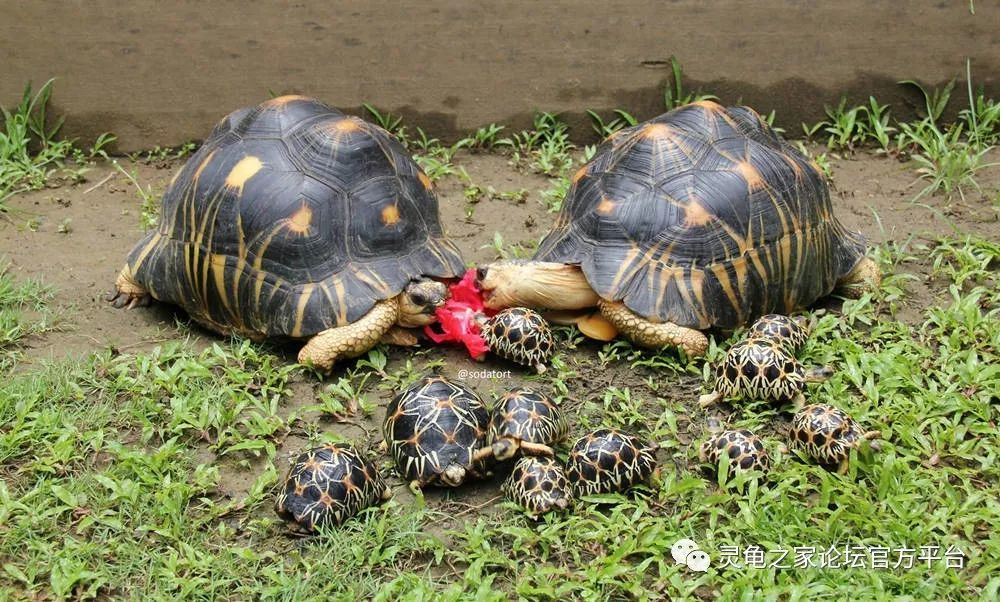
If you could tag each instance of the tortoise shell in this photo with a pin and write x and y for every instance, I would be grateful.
(521, 335)
(788, 332)
(329, 484)
(539, 485)
(609, 460)
(524, 415)
(745, 450)
(703, 217)
(759, 369)
(826, 433)
(433, 426)
(291, 219)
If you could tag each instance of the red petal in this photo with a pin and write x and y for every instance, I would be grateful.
(456, 319)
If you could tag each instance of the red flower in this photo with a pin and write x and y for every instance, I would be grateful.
(457, 317)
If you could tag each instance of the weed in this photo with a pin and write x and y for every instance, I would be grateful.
(622, 119)
(484, 138)
(149, 211)
(387, 121)
(674, 94)
(23, 313)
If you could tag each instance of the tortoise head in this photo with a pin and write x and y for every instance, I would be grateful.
(541, 284)
(454, 475)
(419, 300)
(504, 449)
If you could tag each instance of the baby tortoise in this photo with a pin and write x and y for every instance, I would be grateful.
(329, 484)
(433, 430)
(609, 460)
(539, 485)
(745, 450)
(828, 434)
(789, 333)
(524, 421)
(760, 369)
(520, 335)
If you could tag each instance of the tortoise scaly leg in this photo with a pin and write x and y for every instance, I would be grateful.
(324, 349)
(399, 336)
(128, 292)
(536, 449)
(864, 278)
(843, 465)
(652, 334)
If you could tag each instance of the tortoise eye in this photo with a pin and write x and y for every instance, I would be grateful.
(418, 298)
(481, 273)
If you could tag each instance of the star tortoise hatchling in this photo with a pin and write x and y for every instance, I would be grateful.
(539, 485)
(702, 217)
(761, 369)
(519, 334)
(524, 421)
(745, 450)
(790, 333)
(329, 484)
(433, 430)
(828, 434)
(295, 220)
(609, 460)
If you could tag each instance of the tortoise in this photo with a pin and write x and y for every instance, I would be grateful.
(520, 335)
(790, 333)
(828, 434)
(609, 460)
(296, 221)
(760, 369)
(329, 484)
(539, 485)
(745, 449)
(702, 217)
(524, 421)
(433, 430)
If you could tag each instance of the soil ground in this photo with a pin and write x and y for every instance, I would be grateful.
(75, 238)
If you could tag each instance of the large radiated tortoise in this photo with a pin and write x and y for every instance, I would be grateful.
(702, 217)
(295, 220)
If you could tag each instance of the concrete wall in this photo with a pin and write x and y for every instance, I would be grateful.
(161, 73)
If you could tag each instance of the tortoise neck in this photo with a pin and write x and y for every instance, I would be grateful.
(547, 285)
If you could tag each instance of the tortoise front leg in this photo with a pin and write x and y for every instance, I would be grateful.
(652, 334)
(864, 278)
(128, 291)
(324, 349)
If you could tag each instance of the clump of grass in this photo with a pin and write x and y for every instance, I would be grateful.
(674, 94)
(30, 155)
(622, 119)
(23, 313)
(149, 210)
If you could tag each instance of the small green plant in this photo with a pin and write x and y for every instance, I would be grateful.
(674, 94)
(484, 138)
(874, 124)
(387, 121)
(23, 313)
(546, 147)
(160, 154)
(843, 128)
(149, 210)
(621, 120)
(501, 250)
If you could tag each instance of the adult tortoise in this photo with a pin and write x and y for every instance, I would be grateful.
(702, 217)
(295, 220)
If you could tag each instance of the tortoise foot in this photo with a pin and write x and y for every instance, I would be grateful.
(128, 293)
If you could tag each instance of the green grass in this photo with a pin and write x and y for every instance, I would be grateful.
(151, 476)
(30, 154)
(23, 313)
